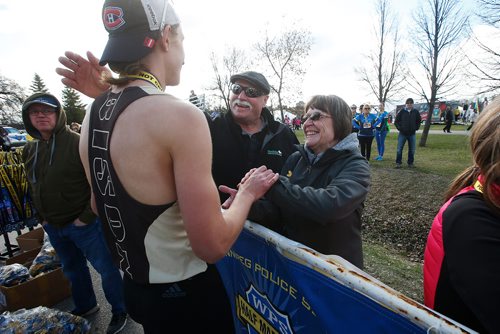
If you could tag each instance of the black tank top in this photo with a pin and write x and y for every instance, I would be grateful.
(125, 220)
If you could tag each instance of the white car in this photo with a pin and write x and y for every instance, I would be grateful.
(16, 137)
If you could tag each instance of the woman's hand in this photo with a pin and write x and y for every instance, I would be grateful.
(256, 181)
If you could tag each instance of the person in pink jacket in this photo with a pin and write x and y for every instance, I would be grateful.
(462, 254)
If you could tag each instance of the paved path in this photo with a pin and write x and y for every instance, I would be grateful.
(440, 132)
(101, 319)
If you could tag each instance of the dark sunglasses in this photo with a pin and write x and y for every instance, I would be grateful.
(249, 91)
(315, 116)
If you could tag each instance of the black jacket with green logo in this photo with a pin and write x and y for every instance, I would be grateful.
(234, 153)
(58, 185)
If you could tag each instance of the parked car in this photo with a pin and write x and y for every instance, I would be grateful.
(15, 137)
(24, 132)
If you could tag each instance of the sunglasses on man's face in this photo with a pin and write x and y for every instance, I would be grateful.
(249, 91)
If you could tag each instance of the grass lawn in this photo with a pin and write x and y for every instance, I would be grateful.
(443, 154)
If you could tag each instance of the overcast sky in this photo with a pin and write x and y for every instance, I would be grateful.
(34, 33)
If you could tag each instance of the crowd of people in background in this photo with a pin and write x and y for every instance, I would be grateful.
(465, 113)
(449, 114)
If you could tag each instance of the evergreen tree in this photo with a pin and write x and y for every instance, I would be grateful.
(75, 109)
(38, 85)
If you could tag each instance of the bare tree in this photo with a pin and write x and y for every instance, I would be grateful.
(439, 27)
(489, 11)
(486, 69)
(231, 63)
(12, 96)
(384, 74)
(285, 54)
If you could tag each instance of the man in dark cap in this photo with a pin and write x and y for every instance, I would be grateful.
(248, 136)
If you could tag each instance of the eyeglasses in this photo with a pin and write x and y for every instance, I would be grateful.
(41, 111)
(249, 91)
(315, 116)
(353, 108)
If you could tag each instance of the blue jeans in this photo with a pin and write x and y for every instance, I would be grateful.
(380, 138)
(412, 141)
(75, 245)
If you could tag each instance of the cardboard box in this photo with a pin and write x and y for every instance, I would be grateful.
(31, 240)
(46, 289)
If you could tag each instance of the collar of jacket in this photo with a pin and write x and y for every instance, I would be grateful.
(327, 157)
(347, 146)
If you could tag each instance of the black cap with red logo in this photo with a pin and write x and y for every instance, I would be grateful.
(133, 28)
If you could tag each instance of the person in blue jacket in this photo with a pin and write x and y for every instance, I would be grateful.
(381, 130)
(365, 123)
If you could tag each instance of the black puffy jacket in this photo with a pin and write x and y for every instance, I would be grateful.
(408, 122)
(320, 204)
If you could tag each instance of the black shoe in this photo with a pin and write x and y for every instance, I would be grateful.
(444, 130)
(86, 313)
(118, 322)
(449, 131)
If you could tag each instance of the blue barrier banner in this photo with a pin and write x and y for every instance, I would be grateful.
(275, 290)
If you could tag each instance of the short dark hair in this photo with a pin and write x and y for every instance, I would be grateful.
(338, 109)
(409, 101)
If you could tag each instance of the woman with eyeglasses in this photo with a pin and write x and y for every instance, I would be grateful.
(319, 196)
(365, 123)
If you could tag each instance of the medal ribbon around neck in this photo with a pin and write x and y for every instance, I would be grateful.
(478, 186)
(146, 76)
